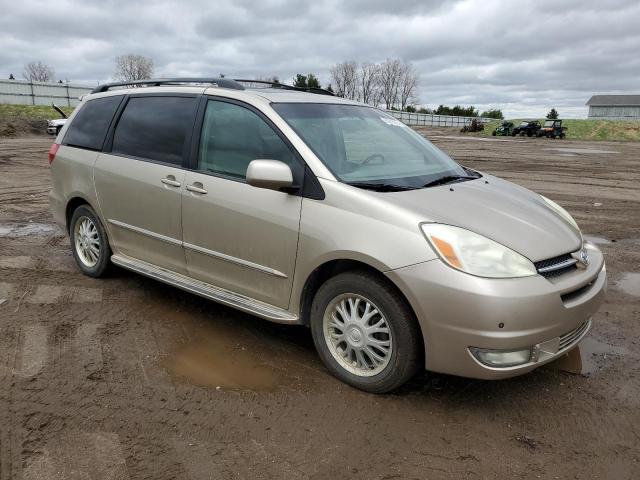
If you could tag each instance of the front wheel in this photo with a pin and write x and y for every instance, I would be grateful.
(365, 333)
(89, 242)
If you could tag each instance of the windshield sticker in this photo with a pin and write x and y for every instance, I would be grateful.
(392, 121)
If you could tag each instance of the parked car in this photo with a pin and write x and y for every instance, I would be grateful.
(503, 130)
(528, 127)
(316, 210)
(54, 126)
(552, 129)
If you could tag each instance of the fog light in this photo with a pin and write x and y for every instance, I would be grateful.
(501, 358)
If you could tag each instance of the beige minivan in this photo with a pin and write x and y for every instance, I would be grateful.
(304, 208)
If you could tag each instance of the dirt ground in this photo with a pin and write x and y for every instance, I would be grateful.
(126, 378)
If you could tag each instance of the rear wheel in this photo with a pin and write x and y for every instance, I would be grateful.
(364, 332)
(89, 242)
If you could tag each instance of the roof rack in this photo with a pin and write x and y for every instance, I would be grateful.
(283, 86)
(220, 82)
(234, 84)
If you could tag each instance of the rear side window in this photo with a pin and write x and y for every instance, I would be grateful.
(89, 127)
(155, 128)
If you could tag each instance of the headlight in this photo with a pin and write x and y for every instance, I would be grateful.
(475, 254)
(561, 211)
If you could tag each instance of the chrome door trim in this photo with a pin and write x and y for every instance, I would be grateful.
(236, 260)
(196, 248)
(206, 290)
(148, 233)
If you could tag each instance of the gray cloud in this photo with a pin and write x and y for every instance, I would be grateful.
(524, 58)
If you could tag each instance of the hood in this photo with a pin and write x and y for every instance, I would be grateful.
(499, 210)
(58, 122)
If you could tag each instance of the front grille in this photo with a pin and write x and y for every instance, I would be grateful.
(552, 267)
(570, 338)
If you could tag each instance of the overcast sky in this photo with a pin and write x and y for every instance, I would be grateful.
(522, 56)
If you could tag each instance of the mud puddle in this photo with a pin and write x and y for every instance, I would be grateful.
(587, 358)
(216, 360)
(597, 240)
(582, 151)
(629, 283)
(19, 230)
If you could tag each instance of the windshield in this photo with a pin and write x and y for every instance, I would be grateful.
(549, 123)
(524, 124)
(361, 144)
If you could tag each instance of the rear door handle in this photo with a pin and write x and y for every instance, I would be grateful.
(197, 188)
(171, 181)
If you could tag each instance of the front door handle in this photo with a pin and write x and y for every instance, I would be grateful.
(197, 187)
(171, 181)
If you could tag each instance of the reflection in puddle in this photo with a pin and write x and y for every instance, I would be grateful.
(597, 240)
(18, 230)
(586, 358)
(216, 361)
(630, 283)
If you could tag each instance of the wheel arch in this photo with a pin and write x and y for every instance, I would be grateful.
(72, 204)
(334, 267)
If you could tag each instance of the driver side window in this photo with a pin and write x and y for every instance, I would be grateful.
(232, 136)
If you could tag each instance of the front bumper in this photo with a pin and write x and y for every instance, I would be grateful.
(457, 311)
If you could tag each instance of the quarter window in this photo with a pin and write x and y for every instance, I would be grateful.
(232, 136)
(89, 127)
(155, 128)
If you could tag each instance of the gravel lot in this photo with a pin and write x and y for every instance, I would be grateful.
(128, 378)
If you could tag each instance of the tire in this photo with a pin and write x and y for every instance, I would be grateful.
(529, 133)
(493, 133)
(403, 357)
(89, 242)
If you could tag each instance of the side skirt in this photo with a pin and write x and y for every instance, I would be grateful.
(220, 295)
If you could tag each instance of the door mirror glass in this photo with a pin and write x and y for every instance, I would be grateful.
(270, 174)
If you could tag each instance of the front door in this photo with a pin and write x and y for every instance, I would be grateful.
(236, 236)
(139, 182)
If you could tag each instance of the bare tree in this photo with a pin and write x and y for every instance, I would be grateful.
(408, 85)
(345, 78)
(133, 67)
(389, 81)
(38, 72)
(368, 81)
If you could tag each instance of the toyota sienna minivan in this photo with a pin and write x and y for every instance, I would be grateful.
(303, 208)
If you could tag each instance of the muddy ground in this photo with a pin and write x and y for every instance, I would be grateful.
(128, 378)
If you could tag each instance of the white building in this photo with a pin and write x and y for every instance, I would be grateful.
(614, 107)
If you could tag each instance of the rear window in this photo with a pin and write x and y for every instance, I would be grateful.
(89, 127)
(155, 128)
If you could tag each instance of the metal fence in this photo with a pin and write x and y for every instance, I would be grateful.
(430, 120)
(22, 92)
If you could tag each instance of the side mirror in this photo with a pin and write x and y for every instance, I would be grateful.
(269, 174)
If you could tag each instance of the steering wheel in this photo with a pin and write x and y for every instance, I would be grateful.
(371, 157)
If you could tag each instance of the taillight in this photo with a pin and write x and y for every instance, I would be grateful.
(52, 152)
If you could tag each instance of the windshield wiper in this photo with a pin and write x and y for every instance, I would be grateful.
(380, 187)
(449, 179)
